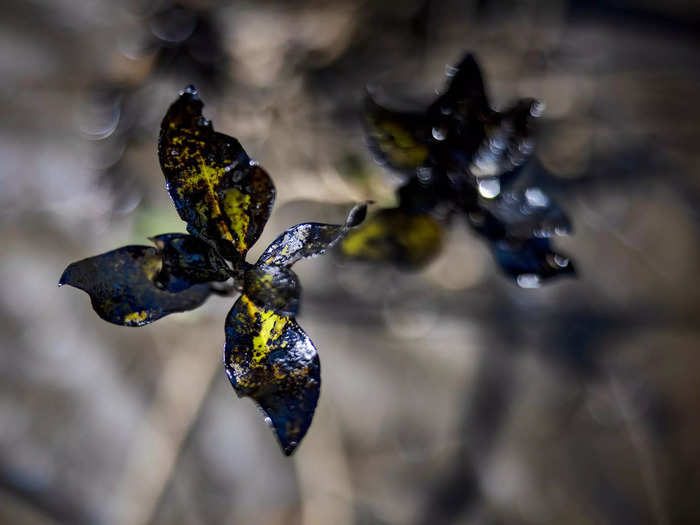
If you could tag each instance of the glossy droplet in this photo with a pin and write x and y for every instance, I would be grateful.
(485, 165)
(536, 198)
(489, 188)
(424, 174)
(526, 147)
(190, 90)
(537, 109)
(561, 261)
(528, 280)
(451, 71)
(497, 143)
(439, 133)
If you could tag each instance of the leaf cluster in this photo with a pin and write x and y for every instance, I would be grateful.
(226, 199)
(461, 158)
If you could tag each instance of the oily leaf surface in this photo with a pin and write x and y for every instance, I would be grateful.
(187, 261)
(273, 287)
(122, 288)
(224, 197)
(309, 239)
(270, 359)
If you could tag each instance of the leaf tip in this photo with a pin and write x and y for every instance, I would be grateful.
(357, 214)
(157, 241)
(65, 276)
(289, 448)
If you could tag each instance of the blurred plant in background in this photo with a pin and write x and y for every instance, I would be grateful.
(461, 157)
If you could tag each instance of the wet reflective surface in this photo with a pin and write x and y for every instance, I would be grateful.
(122, 285)
(222, 194)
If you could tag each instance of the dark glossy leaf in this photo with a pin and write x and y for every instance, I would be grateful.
(472, 137)
(309, 239)
(458, 133)
(465, 97)
(188, 261)
(270, 359)
(402, 237)
(446, 135)
(458, 116)
(122, 287)
(532, 261)
(224, 197)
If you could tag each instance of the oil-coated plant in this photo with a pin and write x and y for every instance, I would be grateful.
(226, 199)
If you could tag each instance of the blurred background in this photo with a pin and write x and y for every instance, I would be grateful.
(449, 395)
